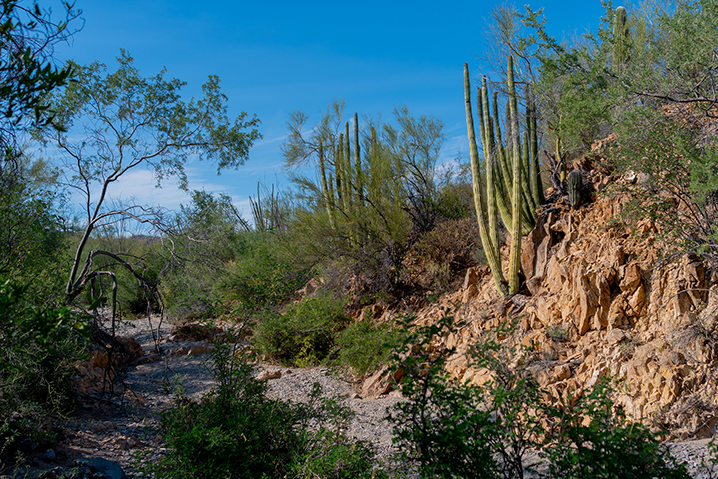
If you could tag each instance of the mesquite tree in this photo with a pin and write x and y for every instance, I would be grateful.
(109, 124)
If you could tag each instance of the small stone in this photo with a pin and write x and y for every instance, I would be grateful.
(26, 445)
(269, 374)
(49, 455)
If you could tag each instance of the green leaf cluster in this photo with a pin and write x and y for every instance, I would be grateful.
(238, 432)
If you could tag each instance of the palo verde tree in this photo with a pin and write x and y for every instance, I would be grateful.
(111, 123)
(28, 35)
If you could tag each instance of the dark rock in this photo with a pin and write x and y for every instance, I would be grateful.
(109, 469)
(25, 445)
(49, 455)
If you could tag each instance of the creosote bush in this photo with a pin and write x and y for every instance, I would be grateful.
(365, 345)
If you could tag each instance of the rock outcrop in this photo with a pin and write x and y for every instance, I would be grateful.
(599, 301)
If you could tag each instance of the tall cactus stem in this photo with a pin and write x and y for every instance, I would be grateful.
(357, 160)
(516, 198)
(492, 251)
(620, 37)
(325, 184)
(491, 181)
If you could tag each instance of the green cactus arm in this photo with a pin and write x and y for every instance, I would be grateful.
(526, 184)
(492, 182)
(348, 171)
(357, 159)
(339, 169)
(492, 251)
(575, 183)
(621, 45)
(535, 171)
(516, 198)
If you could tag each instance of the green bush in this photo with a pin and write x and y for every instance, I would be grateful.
(595, 440)
(260, 276)
(237, 432)
(38, 350)
(364, 346)
(461, 430)
(305, 334)
(455, 430)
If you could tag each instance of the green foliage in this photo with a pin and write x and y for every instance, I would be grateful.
(237, 432)
(455, 430)
(364, 202)
(440, 427)
(304, 334)
(465, 430)
(710, 464)
(28, 35)
(594, 440)
(671, 148)
(365, 346)
(130, 121)
(32, 240)
(262, 275)
(38, 349)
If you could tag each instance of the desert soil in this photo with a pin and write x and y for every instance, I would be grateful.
(120, 429)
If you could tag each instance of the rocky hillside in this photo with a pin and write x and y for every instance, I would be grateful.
(601, 301)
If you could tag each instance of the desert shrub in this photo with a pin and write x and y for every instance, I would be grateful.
(261, 275)
(595, 440)
(452, 429)
(237, 432)
(38, 350)
(427, 428)
(364, 345)
(304, 334)
(710, 465)
(437, 256)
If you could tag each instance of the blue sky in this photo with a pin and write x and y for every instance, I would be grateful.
(277, 57)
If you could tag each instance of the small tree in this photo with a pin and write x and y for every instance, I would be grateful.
(126, 121)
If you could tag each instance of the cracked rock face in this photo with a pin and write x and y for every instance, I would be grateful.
(596, 304)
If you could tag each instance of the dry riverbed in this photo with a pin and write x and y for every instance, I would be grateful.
(124, 427)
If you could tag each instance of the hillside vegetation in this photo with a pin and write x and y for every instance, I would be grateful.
(557, 293)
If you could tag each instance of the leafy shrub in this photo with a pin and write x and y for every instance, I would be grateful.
(237, 432)
(364, 345)
(259, 276)
(711, 465)
(594, 440)
(442, 427)
(38, 349)
(305, 334)
(466, 430)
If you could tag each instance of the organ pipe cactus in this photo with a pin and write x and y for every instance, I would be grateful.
(511, 184)
(326, 192)
(517, 194)
(490, 249)
(357, 159)
(620, 37)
